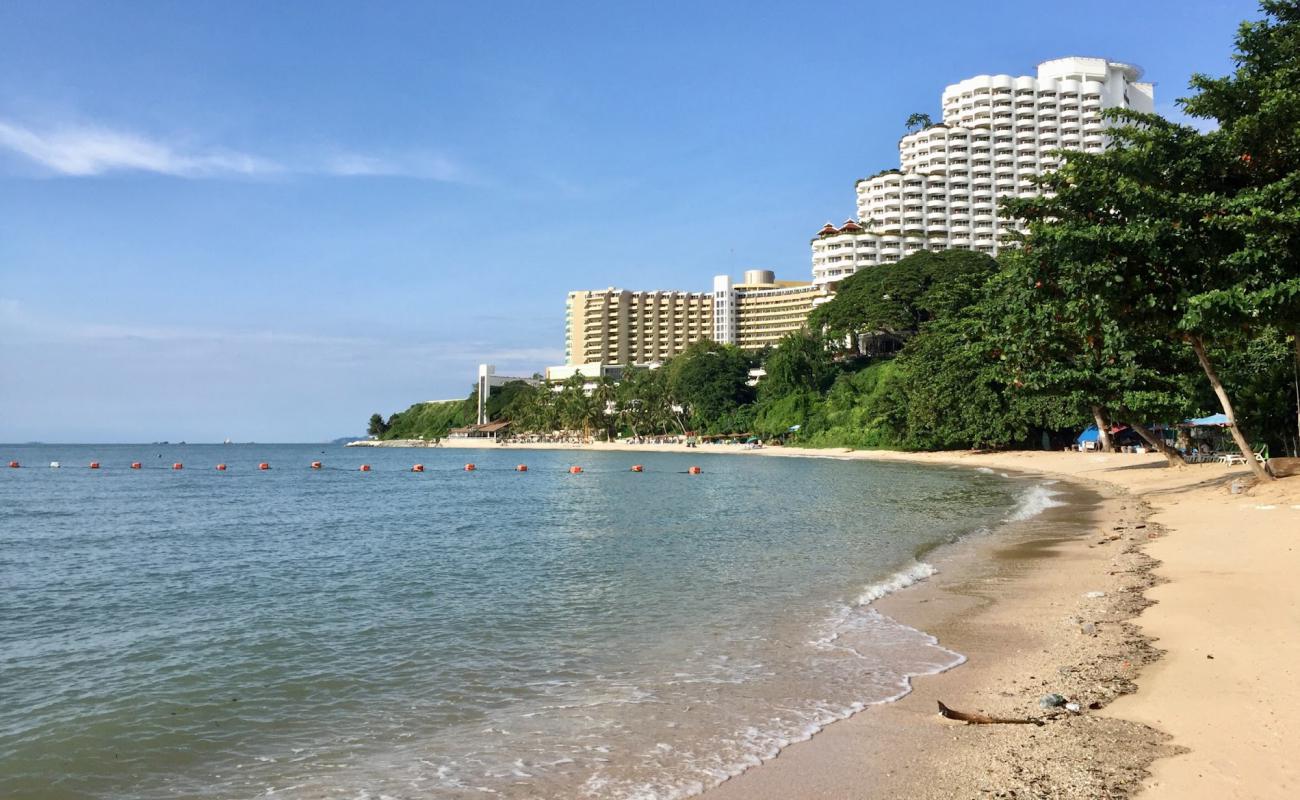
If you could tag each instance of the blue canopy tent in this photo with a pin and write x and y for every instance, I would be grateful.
(1091, 434)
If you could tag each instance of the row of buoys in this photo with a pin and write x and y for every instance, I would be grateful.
(574, 470)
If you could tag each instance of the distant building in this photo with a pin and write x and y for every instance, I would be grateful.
(997, 134)
(591, 372)
(488, 379)
(757, 312)
(616, 326)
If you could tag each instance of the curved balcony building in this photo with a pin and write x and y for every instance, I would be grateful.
(996, 135)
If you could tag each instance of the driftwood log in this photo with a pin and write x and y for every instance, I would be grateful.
(1284, 467)
(982, 719)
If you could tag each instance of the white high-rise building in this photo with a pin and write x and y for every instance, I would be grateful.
(997, 134)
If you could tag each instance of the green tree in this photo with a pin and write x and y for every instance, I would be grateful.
(377, 426)
(1052, 343)
(574, 406)
(799, 363)
(918, 121)
(709, 380)
(896, 299)
(604, 406)
(1257, 109)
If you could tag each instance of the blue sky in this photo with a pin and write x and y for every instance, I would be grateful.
(267, 220)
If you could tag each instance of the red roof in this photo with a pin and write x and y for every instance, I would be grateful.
(850, 225)
(827, 230)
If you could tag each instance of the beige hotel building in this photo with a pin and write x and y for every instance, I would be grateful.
(621, 327)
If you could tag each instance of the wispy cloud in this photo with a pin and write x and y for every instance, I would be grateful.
(425, 166)
(85, 151)
(94, 151)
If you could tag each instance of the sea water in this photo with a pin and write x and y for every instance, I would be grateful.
(332, 633)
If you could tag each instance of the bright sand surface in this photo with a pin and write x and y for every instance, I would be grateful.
(1219, 711)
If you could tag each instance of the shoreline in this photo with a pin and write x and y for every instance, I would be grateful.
(1197, 692)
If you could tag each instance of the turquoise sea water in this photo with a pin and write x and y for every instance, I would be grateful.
(319, 634)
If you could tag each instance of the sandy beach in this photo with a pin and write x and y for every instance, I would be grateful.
(1159, 600)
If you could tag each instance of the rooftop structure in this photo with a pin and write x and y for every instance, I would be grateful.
(998, 133)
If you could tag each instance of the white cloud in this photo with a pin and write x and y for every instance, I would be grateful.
(83, 151)
(424, 166)
(95, 151)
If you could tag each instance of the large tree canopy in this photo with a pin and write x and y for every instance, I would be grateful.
(709, 380)
(898, 298)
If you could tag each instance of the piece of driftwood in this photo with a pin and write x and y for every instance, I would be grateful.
(1284, 467)
(982, 719)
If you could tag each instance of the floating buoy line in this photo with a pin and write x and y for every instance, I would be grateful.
(317, 466)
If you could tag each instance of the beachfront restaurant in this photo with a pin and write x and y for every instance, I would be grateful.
(492, 430)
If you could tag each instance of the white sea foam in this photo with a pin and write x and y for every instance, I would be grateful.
(899, 580)
(1034, 501)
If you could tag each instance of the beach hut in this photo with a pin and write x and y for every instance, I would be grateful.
(1202, 438)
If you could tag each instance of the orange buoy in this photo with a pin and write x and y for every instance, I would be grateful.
(264, 465)
(136, 465)
(417, 468)
(177, 465)
(575, 470)
(13, 465)
(470, 467)
(695, 470)
(220, 467)
(365, 467)
(638, 468)
(521, 468)
(315, 465)
(94, 465)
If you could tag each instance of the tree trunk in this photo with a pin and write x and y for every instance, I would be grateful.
(1256, 466)
(1171, 455)
(1103, 429)
(1295, 379)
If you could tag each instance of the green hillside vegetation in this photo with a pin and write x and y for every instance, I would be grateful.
(434, 420)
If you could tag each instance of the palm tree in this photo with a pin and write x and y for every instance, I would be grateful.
(604, 404)
(918, 121)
